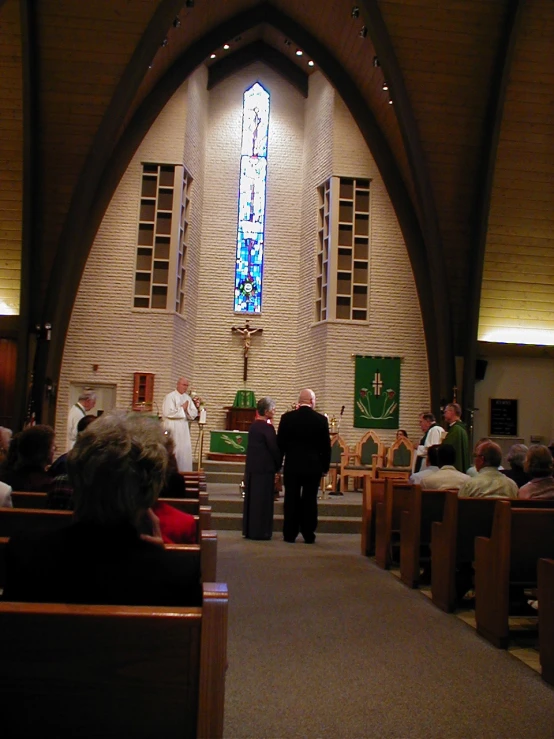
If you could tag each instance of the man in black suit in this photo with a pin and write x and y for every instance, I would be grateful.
(303, 438)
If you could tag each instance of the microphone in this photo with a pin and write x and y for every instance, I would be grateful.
(342, 410)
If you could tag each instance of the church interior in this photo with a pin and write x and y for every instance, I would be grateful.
(255, 194)
(442, 109)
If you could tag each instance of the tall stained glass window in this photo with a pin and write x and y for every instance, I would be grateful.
(252, 187)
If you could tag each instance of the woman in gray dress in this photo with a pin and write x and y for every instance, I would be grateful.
(263, 460)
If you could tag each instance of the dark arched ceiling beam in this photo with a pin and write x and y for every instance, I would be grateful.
(437, 282)
(31, 267)
(484, 185)
(117, 161)
(258, 51)
(68, 261)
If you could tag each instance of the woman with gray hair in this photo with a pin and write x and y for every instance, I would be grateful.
(117, 469)
(516, 458)
(539, 466)
(263, 460)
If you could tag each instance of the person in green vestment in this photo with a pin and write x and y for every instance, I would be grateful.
(456, 436)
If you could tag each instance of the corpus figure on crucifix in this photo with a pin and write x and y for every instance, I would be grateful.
(246, 332)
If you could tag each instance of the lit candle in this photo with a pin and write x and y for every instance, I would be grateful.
(202, 418)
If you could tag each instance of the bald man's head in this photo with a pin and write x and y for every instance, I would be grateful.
(307, 397)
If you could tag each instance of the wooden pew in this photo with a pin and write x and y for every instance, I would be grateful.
(545, 579)
(519, 538)
(114, 671)
(40, 500)
(374, 492)
(423, 508)
(29, 500)
(398, 494)
(206, 550)
(453, 540)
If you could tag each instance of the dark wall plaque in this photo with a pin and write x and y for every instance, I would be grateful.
(503, 417)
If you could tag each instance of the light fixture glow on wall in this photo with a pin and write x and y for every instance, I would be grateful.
(7, 310)
(538, 336)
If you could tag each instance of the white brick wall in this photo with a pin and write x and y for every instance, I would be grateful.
(309, 140)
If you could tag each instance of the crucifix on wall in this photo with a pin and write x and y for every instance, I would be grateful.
(246, 332)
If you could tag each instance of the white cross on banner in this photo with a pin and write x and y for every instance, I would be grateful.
(377, 384)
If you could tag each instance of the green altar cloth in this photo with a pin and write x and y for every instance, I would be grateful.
(228, 442)
(244, 399)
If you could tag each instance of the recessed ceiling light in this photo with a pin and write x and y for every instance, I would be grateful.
(299, 52)
(390, 102)
(385, 86)
(212, 56)
(226, 46)
(311, 63)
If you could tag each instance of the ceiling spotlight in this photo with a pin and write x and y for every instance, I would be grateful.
(176, 23)
(385, 86)
(363, 32)
(165, 42)
(355, 12)
(376, 61)
(226, 46)
(299, 52)
(390, 102)
(311, 63)
(189, 4)
(212, 56)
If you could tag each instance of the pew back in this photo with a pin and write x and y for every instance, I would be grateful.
(453, 539)
(114, 671)
(519, 538)
(206, 550)
(545, 581)
(424, 507)
(373, 493)
(398, 495)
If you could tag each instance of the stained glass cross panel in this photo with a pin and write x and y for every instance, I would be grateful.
(252, 196)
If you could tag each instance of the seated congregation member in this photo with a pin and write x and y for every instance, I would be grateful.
(472, 471)
(59, 466)
(447, 477)
(176, 527)
(5, 439)
(539, 466)
(431, 465)
(489, 482)
(516, 458)
(263, 460)
(174, 482)
(117, 469)
(5, 496)
(30, 456)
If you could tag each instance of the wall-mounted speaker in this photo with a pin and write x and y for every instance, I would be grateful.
(480, 369)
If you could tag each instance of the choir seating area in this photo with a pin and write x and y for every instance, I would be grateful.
(500, 552)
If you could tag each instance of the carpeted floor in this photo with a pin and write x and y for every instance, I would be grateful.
(322, 643)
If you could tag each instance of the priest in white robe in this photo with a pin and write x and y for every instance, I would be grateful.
(178, 409)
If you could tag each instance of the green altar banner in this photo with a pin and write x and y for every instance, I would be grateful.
(229, 442)
(377, 392)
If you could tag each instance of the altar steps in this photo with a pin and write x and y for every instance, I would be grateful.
(337, 515)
